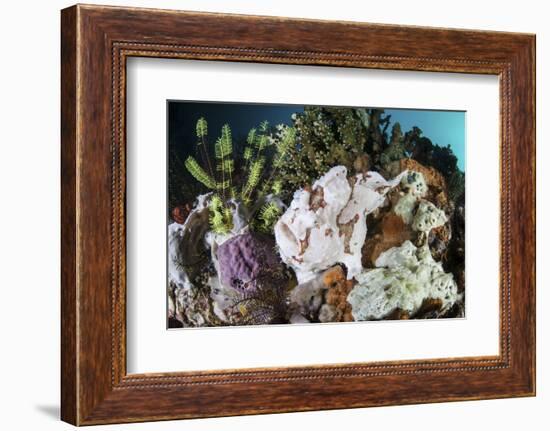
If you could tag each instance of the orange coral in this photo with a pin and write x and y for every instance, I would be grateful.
(390, 232)
(337, 293)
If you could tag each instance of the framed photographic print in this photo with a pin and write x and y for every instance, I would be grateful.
(262, 210)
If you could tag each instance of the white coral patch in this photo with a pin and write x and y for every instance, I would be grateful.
(326, 224)
(405, 207)
(405, 276)
(414, 186)
(428, 217)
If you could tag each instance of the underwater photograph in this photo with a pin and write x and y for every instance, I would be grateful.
(280, 214)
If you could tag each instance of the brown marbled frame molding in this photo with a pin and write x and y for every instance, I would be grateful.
(95, 43)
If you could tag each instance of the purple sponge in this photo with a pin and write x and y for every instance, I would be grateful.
(245, 259)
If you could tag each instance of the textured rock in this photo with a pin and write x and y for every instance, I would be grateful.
(222, 299)
(307, 300)
(325, 224)
(329, 313)
(405, 277)
(188, 293)
(193, 307)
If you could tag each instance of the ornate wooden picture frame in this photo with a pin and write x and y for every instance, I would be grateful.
(96, 41)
